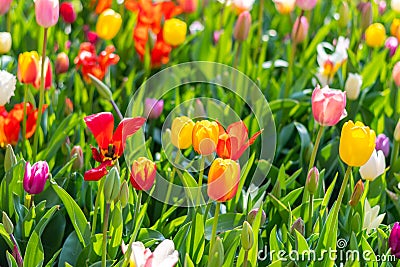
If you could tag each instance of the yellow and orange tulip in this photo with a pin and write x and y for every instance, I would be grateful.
(223, 179)
(28, 67)
(205, 137)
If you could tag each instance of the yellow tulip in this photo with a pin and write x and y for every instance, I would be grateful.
(357, 142)
(223, 179)
(108, 24)
(395, 28)
(375, 35)
(181, 132)
(174, 32)
(205, 137)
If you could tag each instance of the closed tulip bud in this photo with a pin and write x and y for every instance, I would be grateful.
(101, 87)
(247, 236)
(4, 6)
(344, 14)
(357, 143)
(7, 223)
(284, 6)
(382, 143)
(124, 194)
(223, 179)
(242, 27)
(92, 37)
(395, 4)
(299, 226)
(174, 31)
(375, 35)
(188, 6)
(252, 216)
(78, 162)
(143, 174)
(357, 193)
(28, 67)
(35, 177)
(366, 14)
(396, 134)
(9, 159)
(153, 108)
(216, 257)
(396, 73)
(7, 86)
(299, 32)
(181, 132)
(108, 24)
(47, 12)
(112, 185)
(306, 4)
(62, 63)
(5, 42)
(374, 167)
(353, 86)
(394, 240)
(312, 180)
(328, 106)
(391, 43)
(67, 12)
(382, 7)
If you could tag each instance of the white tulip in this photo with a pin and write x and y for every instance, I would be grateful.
(395, 4)
(7, 86)
(5, 42)
(372, 219)
(374, 167)
(353, 86)
(164, 255)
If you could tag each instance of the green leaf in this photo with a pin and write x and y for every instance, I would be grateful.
(226, 222)
(195, 241)
(116, 227)
(10, 260)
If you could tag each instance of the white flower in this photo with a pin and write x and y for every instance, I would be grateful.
(353, 86)
(330, 63)
(395, 4)
(374, 167)
(164, 255)
(5, 42)
(240, 5)
(7, 86)
(371, 218)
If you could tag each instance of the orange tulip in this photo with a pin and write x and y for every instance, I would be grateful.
(205, 137)
(28, 67)
(223, 179)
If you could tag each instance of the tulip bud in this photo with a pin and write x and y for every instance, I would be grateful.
(188, 6)
(382, 143)
(396, 134)
(62, 63)
(375, 35)
(153, 108)
(252, 216)
(353, 86)
(7, 87)
(306, 4)
(4, 6)
(366, 14)
(357, 193)
(344, 14)
(67, 12)
(312, 180)
(124, 194)
(35, 177)
(217, 36)
(5, 42)
(392, 43)
(300, 29)
(47, 12)
(381, 7)
(299, 226)
(174, 31)
(112, 185)
(396, 73)
(395, 4)
(242, 27)
(394, 240)
(102, 89)
(78, 162)
(216, 257)
(92, 37)
(247, 236)
(9, 160)
(143, 173)
(108, 24)
(69, 107)
(7, 223)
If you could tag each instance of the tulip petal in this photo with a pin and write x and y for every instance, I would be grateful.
(125, 129)
(102, 126)
(97, 173)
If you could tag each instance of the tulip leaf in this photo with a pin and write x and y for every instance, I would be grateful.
(10, 260)
(226, 222)
(116, 227)
(373, 68)
(195, 241)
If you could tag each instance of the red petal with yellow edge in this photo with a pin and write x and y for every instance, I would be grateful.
(126, 128)
(102, 126)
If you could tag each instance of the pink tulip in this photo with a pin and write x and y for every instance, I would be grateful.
(143, 174)
(47, 12)
(4, 6)
(328, 105)
(242, 27)
(62, 63)
(188, 6)
(299, 32)
(396, 73)
(153, 108)
(35, 177)
(306, 4)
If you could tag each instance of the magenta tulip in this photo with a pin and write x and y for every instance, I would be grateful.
(47, 12)
(35, 177)
(394, 240)
(328, 105)
(67, 12)
(4, 6)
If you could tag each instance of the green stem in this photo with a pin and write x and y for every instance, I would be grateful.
(96, 207)
(315, 149)
(200, 184)
(135, 216)
(116, 109)
(342, 190)
(25, 118)
(239, 48)
(214, 226)
(41, 97)
(289, 76)
(260, 29)
(105, 228)
(246, 257)
(395, 153)
(171, 182)
(310, 214)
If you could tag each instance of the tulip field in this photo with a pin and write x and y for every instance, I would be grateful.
(212, 133)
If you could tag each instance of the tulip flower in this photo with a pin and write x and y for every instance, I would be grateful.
(395, 28)
(344, 14)
(382, 143)
(252, 216)
(357, 193)
(181, 132)
(164, 255)
(394, 240)
(242, 27)
(7, 86)
(353, 86)
(48, 74)
(174, 32)
(247, 236)
(382, 7)
(223, 179)
(375, 35)
(372, 219)
(392, 43)
(357, 143)
(242, 5)
(35, 177)
(396, 73)
(396, 134)
(28, 67)
(306, 4)
(234, 141)
(102, 5)
(328, 106)
(67, 12)
(395, 4)
(47, 12)
(153, 108)
(4, 6)
(205, 137)
(111, 145)
(188, 6)
(108, 24)
(285, 6)
(299, 226)
(299, 32)
(374, 167)
(312, 180)
(143, 174)
(366, 14)
(5, 42)
(62, 63)
(196, 27)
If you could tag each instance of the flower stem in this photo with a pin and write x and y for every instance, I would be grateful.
(96, 207)
(342, 190)
(260, 29)
(25, 118)
(105, 228)
(41, 97)
(18, 256)
(200, 184)
(214, 226)
(246, 256)
(171, 182)
(315, 149)
(116, 109)
(395, 153)
(135, 216)
(310, 214)
(236, 62)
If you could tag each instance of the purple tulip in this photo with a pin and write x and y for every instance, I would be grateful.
(35, 177)
(392, 43)
(394, 240)
(382, 142)
(252, 216)
(153, 108)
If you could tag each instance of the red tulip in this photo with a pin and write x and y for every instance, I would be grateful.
(67, 12)
(143, 174)
(48, 74)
